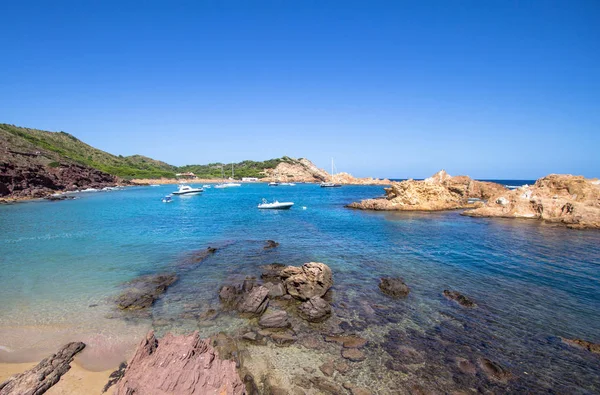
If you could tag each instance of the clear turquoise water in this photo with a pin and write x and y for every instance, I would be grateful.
(533, 282)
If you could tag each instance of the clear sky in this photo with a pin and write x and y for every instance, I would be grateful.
(492, 89)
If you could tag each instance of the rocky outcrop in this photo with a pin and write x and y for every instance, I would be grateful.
(459, 298)
(315, 309)
(274, 319)
(143, 291)
(438, 192)
(179, 365)
(394, 287)
(310, 280)
(246, 298)
(566, 199)
(44, 375)
(583, 344)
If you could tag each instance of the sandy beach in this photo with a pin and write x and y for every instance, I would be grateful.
(76, 381)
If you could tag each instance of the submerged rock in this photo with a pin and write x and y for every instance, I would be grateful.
(394, 286)
(255, 301)
(459, 298)
(315, 309)
(272, 272)
(312, 279)
(143, 291)
(347, 341)
(44, 375)
(274, 319)
(586, 345)
(181, 365)
(269, 244)
(494, 370)
(353, 354)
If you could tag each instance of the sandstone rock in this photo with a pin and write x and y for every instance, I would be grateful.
(327, 368)
(255, 301)
(276, 290)
(143, 291)
(570, 200)
(274, 319)
(44, 375)
(178, 365)
(270, 244)
(494, 370)
(353, 354)
(586, 345)
(459, 298)
(313, 279)
(315, 309)
(347, 341)
(438, 192)
(394, 286)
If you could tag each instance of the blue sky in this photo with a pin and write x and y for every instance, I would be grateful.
(492, 89)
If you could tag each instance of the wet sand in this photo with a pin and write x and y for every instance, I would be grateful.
(76, 381)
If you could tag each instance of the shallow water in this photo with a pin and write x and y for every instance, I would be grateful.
(62, 263)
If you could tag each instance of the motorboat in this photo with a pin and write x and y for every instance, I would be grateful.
(275, 205)
(167, 199)
(287, 184)
(154, 185)
(187, 190)
(273, 184)
(206, 186)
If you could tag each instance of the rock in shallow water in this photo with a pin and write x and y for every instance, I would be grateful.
(143, 291)
(394, 287)
(459, 298)
(353, 354)
(312, 279)
(494, 370)
(44, 375)
(255, 301)
(274, 319)
(579, 343)
(315, 309)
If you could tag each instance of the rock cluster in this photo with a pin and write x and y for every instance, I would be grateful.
(143, 291)
(570, 200)
(44, 375)
(438, 192)
(179, 365)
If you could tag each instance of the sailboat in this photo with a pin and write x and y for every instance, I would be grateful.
(331, 184)
(227, 184)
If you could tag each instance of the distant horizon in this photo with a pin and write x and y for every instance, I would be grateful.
(487, 89)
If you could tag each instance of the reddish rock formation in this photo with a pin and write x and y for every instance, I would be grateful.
(438, 192)
(570, 200)
(310, 280)
(178, 365)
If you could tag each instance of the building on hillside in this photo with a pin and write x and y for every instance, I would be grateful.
(185, 175)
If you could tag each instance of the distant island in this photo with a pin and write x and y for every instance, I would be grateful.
(36, 163)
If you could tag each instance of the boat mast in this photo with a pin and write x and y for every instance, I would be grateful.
(232, 170)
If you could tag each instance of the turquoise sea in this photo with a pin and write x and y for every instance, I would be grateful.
(62, 264)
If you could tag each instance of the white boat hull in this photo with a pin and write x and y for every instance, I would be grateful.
(276, 206)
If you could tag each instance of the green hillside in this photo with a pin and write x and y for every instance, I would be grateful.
(247, 168)
(63, 146)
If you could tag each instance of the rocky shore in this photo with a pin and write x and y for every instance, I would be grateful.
(438, 192)
(557, 198)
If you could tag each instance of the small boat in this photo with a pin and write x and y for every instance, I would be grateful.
(167, 199)
(273, 184)
(206, 186)
(154, 185)
(331, 184)
(227, 184)
(287, 184)
(275, 205)
(187, 190)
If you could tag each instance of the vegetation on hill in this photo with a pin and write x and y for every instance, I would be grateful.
(61, 148)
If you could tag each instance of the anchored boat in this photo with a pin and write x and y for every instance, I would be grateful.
(275, 205)
(187, 190)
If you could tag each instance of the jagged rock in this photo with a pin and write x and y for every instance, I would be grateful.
(494, 370)
(115, 376)
(347, 341)
(276, 290)
(44, 375)
(143, 291)
(394, 286)
(270, 244)
(255, 301)
(586, 345)
(315, 309)
(312, 279)
(272, 272)
(439, 192)
(178, 365)
(228, 294)
(459, 298)
(274, 319)
(353, 354)
(566, 199)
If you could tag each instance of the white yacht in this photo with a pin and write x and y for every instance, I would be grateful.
(275, 205)
(227, 184)
(287, 184)
(273, 184)
(187, 190)
(331, 184)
